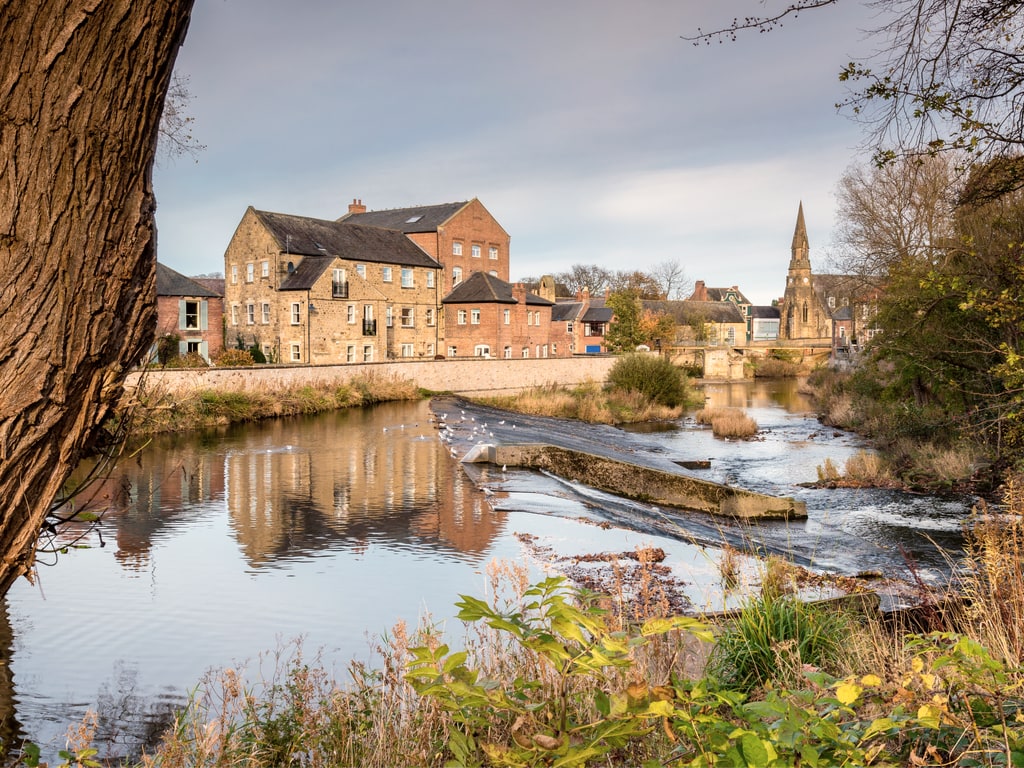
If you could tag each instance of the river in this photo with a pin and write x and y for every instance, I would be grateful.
(215, 548)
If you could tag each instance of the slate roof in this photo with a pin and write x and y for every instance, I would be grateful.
(421, 218)
(765, 313)
(171, 283)
(484, 288)
(306, 273)
(686, 311)
(306, 237)
(597, 315)
(215, 284)
(565, 310)
(719, 294)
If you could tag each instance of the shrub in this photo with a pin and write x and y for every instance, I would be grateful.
(235, 358)
(191, 360)
(652, 375)
(727, 422)
(772, 640)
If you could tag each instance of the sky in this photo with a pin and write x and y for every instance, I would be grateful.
(590, 129)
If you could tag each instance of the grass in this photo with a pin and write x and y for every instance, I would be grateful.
(589, 402)
(156, 412)
(727, 422)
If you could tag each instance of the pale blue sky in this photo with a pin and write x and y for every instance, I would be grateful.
(589, 128)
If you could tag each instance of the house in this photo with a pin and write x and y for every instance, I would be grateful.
(485, 316)
(464, 237)
(764, 323)
(316, 291)
(732, 295)
(189, 313)
(704, 323)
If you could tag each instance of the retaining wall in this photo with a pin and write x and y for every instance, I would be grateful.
(463, 376)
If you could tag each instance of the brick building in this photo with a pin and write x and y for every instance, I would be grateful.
(463, 236)
(190, 312)
(489, 317)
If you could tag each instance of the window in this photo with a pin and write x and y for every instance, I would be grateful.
(508, 352)
(544, 351)
(193, 347)
(452, 351)
(234, 274)
(367, 353)
(266, 312)
(430, 278)
(456, 276)
(842, 332)
(508, 316)
(350, 353)
(296, 352)
(385, 274)
(408, 317)
(339, 284)
(361, 270)
(526, 352)
(407, 278)
(430, 349)
(264, 268)
(730, 336)
(493, 252)
(429, 315)
(474, 316)
(296, 313)
(188, 315)
(554, 349)
(407, 350)
(462, 317)
(250, 272)
(474, 251)
(234, 314)
(481, 350)
(568, 327)
(456, 248)
(831, 302)
(529, 317)
(350, 314)
(389, 317)
(250, 313)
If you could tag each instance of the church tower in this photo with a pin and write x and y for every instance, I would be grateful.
(803, 315)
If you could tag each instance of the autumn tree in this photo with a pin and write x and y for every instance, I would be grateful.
(81, 97)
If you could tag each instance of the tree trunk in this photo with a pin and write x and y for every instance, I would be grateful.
(82, 84)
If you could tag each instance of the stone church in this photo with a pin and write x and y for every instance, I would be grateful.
(804, 316)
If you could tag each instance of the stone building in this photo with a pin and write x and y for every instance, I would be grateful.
(804, 316)
(315, 291)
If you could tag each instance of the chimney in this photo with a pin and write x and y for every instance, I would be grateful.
(700, 291)
(356, 206)
(519, 292)
(583, 294)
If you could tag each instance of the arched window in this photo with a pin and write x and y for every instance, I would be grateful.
(805, 312)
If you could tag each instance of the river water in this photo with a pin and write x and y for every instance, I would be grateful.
(215, 548)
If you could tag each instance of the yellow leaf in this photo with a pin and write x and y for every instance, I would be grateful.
(871, 680)
(847, 693)
(916, 664)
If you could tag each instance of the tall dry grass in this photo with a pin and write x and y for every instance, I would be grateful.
(589, 402)
(727, 422)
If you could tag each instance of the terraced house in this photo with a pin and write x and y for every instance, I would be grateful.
(316, 291)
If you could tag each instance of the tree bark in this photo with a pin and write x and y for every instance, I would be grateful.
(82, 84)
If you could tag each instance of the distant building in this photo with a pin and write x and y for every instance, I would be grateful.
(190, 312)
(804, 316)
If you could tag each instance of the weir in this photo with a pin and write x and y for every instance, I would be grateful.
(654, 486)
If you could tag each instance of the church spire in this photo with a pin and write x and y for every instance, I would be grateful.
(801, 246)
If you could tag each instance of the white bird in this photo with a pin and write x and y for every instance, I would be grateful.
(503, 468)
(502, 421)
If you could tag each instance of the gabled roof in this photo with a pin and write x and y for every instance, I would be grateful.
(566, 310)
(421, 218)
(484, 288)
(685, 312)
(305, 236)
(171, 283)
(721, 294)
(598, 315)
(307, 273)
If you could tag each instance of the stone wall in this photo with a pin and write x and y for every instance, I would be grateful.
(467, 376)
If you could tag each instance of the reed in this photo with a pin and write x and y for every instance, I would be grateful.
(727, 422)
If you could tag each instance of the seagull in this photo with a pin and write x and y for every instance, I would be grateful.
(503, 468)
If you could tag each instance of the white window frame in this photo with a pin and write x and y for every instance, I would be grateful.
(266, 312)
(361, 270)
(367, 353)
(350, 314)
(234, 314)
(250, 271)
(389, 316)
(492, 253)
(408, 317)
(508, 351)
(407, 278)
(462, 317)
(456, 276)
(456, 248)
(430, 278)
(508, 316)
(264, 268)
(474, 317)
(296, 313)
(482, 350)
(234, 274)
(350, 353)
(474, 251)
(408, 350)
(526, 353)
(429, 315)
(296, 352)
(385, 274)
(250, 314)
(453, 351)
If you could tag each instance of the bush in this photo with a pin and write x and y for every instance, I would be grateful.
(235, 358)
(654, 376)
(727, 422)
(191, 360)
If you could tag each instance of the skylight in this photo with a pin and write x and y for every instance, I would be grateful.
(414, 219)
